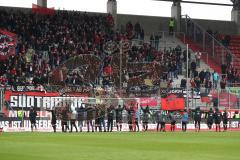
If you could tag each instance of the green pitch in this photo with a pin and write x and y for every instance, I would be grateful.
(120, 146)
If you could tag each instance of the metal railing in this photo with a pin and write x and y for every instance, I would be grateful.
(204, 40)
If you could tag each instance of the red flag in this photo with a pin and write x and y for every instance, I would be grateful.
(172, 102)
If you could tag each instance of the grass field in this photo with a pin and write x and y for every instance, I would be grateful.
(120, 146)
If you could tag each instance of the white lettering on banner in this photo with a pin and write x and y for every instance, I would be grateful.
(22, 101)
(44, 102)
(4, 124)
(38, 99)
(14, 101)
(30, 101)
(26, 88)
(45, 125)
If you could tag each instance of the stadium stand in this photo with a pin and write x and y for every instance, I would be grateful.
(79, 56)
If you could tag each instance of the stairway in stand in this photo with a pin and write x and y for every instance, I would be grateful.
(235, 49)
(208, 60)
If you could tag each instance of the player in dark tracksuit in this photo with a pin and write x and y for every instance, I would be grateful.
(119, 111)
(210, 117)
(161, 120)
(54, 119)
(158, 119)
(32, 118)
(97, 119)
(102, 118)
(146, 113)
(197, 119)
(136, 119)
(218, 119)
(225, 120)
(90, 116)
(173, 121)
(131, 113)
(110, 114)
(81, 115)
(64, 118)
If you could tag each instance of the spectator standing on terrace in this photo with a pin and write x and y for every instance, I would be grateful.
(198, 58)
(224, 70)
(215, 79)
(229, 59)
(202, 76)
(142, 34)
(193, 68)
(152, 40)
(137, 29)
(183, 83)
(157, 38)
(223, 84)
(171, 26)
(226, 41)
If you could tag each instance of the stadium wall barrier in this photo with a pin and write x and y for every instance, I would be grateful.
(44, 125)
(43, 101)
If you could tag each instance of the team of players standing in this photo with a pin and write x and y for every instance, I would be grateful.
(100, 113)
(212, 117)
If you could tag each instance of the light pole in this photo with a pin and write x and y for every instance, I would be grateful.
(187, 85)
(120, 74)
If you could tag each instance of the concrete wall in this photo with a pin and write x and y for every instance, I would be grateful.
(150, 24)
(154, 24)
(224, 27)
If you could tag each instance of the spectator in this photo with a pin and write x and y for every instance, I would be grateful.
(171, 26)
(193, 67)
(183, 83)
(228, 59)
(198, 58)
(223, 84)
(215, 79)
(208, 86)
(202, 75)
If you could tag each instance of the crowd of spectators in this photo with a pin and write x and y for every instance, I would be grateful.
(70, 42)
(46, 41)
